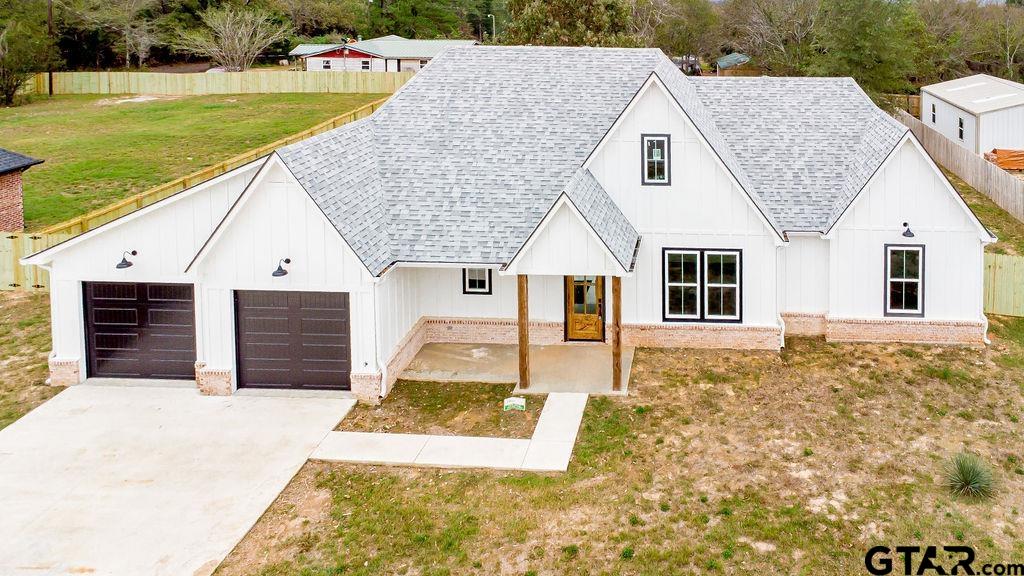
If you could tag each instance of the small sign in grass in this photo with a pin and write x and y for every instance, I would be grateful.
(515, 403)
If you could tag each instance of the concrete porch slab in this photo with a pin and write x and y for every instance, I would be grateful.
(572, 367)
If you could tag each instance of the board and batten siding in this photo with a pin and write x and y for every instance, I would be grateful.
(702, 208)
(564, 244)
(946, 117)
(166, 237)
(803, 275)
(908, 189)
(277, 220)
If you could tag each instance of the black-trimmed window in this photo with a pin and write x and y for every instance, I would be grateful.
(423, 63)
(904, 280)
(326, 64)
(476, 280)
(702, 285)
(933, 112)
(960, 128)
(364, 64)
(655, 150)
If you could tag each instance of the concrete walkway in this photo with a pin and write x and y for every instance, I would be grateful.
(548, 450)
(110, 480)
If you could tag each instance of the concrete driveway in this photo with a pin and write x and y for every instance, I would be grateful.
(107, 480)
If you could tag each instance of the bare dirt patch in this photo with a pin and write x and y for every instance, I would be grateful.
(140, 99)
(459, 409)
(718, 461)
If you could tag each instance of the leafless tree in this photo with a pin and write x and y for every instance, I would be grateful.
(232, 37)
(647, 16)
(1007, 24)
(778, 32)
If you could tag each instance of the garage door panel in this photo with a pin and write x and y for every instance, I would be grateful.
(140, 330)
(293, 339)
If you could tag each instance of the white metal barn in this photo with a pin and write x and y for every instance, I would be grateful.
(540, 195)
(979, 112)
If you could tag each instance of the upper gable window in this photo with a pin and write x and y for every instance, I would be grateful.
(655, 151)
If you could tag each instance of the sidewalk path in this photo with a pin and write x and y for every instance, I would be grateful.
(549, 450)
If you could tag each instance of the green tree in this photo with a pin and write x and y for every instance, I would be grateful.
(25, 46)
(570, 23)
(688, 27)
(420, 18)
(874, 41)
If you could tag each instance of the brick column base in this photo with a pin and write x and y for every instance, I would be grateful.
(211, 381)
(64, 372)
(366, 388)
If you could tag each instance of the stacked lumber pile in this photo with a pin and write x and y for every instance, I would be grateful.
(1006, 159)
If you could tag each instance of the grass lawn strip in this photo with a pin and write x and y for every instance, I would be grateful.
(24, 347)
(98, 151)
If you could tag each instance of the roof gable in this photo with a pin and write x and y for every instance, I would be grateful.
(14, 162)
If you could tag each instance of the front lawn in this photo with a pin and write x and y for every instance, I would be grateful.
(100, 149)
(718, 461)
(24, 346)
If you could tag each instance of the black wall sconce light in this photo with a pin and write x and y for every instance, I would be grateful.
(906, 232)
(280, 269)
(125, 262)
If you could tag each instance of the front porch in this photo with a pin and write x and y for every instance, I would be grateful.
(568, 367)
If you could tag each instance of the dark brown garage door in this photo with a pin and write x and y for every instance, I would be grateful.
(140, 330)
(293, 339)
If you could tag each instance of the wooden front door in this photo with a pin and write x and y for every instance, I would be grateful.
(584, 307)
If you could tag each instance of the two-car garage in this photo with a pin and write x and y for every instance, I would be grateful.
(283, 339)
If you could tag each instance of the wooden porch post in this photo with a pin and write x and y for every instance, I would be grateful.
(616, 333)
(524, 331)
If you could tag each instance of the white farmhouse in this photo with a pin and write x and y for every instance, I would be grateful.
(532, 194)
(979, 112)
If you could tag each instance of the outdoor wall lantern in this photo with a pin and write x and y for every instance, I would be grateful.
(280, 269)
(125, 262)
(906, 232)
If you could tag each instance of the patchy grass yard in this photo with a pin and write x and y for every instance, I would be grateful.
(461, 409)
(98, 151)
(730, 462)
(1008, 229)
(24, 346)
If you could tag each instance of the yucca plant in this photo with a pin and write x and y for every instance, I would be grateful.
(967, 476)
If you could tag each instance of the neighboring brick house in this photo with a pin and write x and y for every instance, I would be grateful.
(12, 164)
(532, 194)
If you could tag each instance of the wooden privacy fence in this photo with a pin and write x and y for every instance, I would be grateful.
(1004, 284)
(197, 84)
(14, 246)
(1001, 187)
(911, 103)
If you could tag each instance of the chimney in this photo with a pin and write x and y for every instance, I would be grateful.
(12, 213)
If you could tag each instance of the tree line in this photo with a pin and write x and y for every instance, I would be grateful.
(887, 45)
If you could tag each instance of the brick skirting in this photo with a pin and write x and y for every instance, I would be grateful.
(490, 331)
(64, 372)
(803, 324)
(366, 387)
(734, 336)
(911, 331)
(212, 381)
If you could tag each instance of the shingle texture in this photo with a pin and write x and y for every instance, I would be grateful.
(12, 161)
(462, 163)
(807, 145)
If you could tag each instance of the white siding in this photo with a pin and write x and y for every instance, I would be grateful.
(278, 220)
(701, 208)
(166, 238)
(565, 244)
(1002, 129)
(946, 121)
(316, 64)
(803, 275)
(907, 190)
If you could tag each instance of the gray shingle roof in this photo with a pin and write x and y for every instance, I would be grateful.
(807, 145)
(463, 163)
(603, 214)
(14, 162)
